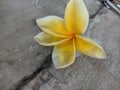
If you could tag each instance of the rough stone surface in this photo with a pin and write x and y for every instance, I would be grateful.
(20, 55)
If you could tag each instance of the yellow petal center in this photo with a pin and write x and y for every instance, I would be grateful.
(72, 35)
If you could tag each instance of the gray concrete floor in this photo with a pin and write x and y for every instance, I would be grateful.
(21, 55)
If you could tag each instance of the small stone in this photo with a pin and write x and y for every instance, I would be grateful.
(45, 76)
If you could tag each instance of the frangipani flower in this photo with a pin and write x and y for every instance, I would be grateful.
(66, 35)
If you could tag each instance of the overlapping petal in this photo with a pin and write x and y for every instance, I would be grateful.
(52, 25)
(64, 54)
(89, 47)
(49, 40)
(76, 17)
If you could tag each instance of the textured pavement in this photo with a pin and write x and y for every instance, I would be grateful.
(21, 55)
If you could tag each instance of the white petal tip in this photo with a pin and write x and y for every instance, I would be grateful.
(38, 20)
(102, 56)
(64, 66)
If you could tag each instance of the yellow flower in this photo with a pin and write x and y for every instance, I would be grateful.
(67, 35)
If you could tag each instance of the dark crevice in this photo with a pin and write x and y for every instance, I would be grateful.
(94, 15)
(25, 80)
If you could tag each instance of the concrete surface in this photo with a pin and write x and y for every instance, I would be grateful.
(20, 54)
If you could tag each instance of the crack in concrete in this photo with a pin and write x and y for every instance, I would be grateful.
(97, 12)
(25, 80)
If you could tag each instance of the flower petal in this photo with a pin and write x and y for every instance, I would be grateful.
(89, 47)
(49, 40)
(76, 17)
(52, 25)
(64, 54)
